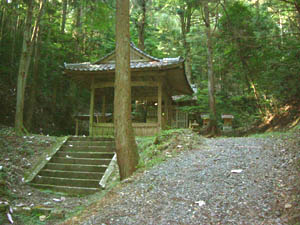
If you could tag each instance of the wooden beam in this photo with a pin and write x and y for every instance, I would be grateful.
(148, 98)
(84, 74)
(92, 101)
(133, 84)
(104, 84)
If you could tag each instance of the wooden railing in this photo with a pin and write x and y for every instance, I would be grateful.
(140, 129)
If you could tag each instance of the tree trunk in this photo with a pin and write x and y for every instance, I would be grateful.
(141, 26)
(13, 46)
(22, 70)
(33, 89)
(25, 62)
(2, 22)
(185, 20)
(126, 148)
(64, 16)
(78, 27)
(211, 79)
(34, 35)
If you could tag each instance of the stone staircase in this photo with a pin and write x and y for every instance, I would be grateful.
(78, 166)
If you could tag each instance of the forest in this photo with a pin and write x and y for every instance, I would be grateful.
(250, 48)
(240, 57)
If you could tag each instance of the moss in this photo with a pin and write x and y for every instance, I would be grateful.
(156, 149)
(33, 171)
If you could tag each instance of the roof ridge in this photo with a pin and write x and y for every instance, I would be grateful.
(143, 53)
(135, 48)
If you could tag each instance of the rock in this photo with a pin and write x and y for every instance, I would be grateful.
(288, 206)
(236, 171)
(42, 218)
(200, 203)
(9, 217)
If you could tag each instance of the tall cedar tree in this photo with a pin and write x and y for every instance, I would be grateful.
(126, 148)
(22, 74)
(26, 54)
(211, 77)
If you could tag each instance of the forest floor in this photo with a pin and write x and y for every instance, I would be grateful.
(247, 180)
(26, 204)
(183, 178)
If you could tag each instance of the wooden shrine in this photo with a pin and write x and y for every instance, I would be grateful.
(153, 83)
(206, 119)
(227, 121)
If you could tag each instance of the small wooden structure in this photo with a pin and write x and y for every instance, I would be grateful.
(153, 83)
(227, 121)
(206, 119)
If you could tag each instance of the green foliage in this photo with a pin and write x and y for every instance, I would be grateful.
(255, 50)
(151, 148)
(30, 219)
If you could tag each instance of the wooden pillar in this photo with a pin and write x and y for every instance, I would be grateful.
(76, 130)
(166, 116)
(159, 101)
(92, 107)
(170, 111)
(103, 109)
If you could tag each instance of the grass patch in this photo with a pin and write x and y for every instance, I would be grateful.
(156, 149)
(30, 219)
(277, 134)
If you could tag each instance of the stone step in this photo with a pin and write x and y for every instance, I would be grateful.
(81, 138)
(92, 155)
(75, 167)
(69, 148)
(67, 189)
(71, 174)
(91, 143)
(66, 181)
(86, 161)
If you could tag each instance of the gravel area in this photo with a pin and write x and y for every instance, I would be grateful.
(227, 181)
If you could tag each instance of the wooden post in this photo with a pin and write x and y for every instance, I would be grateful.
(166, 117)
(177, 118)
(103, 109)
(159, 101)
(76, 130)
(92, 106)
(170, 112)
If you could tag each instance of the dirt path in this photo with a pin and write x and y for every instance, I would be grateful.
(227, 181)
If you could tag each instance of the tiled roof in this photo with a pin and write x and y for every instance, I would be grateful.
(135, 48)
(142, 52)
(182, 97)
(87, 66)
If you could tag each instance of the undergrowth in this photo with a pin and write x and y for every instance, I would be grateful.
(156, 149)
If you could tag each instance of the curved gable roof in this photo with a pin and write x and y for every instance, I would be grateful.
(140, 62)
(135, 54)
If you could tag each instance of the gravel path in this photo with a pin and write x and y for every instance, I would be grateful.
(199, 187)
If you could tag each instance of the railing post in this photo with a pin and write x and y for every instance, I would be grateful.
(91, 133)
